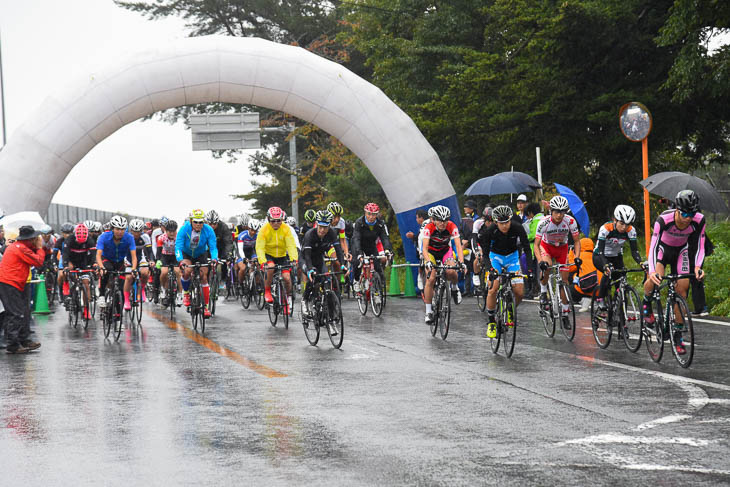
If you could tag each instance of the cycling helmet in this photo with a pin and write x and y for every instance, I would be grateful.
(136, 225)
(96, 227)
(197, 216)
(171, 225)
(67, 227)
(275, 213)
(335, 208)
(89, 224)
(163, 221)
(310, 214)
(372, 208)
(502, 213)
(687, 201)
(324, 218)
(118, 221)
(488, 212)
(148, 225)
(254, 224)
(212, 217)
(559, 203)
(624, 213)
(440, 213)
(155, 223)
(81, 232)
(291, 221)
(46, 229)
(106, 227)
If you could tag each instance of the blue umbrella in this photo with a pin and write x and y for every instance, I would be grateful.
(576, 206)
(503, 183)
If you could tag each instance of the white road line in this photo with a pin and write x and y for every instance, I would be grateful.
(636, 440)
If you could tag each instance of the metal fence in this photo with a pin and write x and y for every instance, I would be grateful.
(59, 214)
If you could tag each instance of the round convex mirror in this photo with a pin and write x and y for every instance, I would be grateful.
(635, 121)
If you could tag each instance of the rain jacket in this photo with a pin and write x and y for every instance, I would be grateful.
(207, 242)
(589, 276)
(17, 261)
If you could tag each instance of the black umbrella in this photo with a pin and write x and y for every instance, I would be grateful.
(503, 183)
(668, 184)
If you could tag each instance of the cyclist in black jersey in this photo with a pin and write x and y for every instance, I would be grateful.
(76, 257)
(366, 231)
(501, 243)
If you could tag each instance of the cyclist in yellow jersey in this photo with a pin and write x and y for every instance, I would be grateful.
(274, 241)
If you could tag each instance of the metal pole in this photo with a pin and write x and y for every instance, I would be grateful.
(539, 170)
(293, 177)
(647, 215)
(2, 93)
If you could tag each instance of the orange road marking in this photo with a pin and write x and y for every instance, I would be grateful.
(213, 346)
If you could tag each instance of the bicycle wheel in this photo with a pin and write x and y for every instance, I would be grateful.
(284, 304)
(497, 340)
(107, 317)
(600, 323)
(630, 319)
(377, 295)
(86, 314)
(93, 296)
(654, 333)
(362, 300)
(509, 324)
(245, 292)
(682, 329)
(194, 305)
(214, 286)
(75, 305)
(273, 308)
(335, 323)
(172, 293)
(567, 320)
(50, 279)
(118, 313)
(258, 289)
(444, 311)
(547, 313)
(132, 313)
(481, 293)
(434, 325)
(139, 310)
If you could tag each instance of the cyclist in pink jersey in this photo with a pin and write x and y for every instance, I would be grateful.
(678, 240)
(551, 242)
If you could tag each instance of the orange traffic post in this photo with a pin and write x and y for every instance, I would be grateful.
(647, 213)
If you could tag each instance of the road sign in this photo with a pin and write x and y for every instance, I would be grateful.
(223, 131)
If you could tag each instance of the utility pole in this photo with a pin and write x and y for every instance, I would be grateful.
(293, 174)
(2, 91)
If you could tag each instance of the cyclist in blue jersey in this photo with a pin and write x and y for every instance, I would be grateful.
(194, 239)
(246, 247)
(111, 249)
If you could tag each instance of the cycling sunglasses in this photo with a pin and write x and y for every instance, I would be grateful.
(275, 221)
(689, 214)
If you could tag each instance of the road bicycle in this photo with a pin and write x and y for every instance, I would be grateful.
(280, 304)
(113, 311)
(506, 313)
(670, 322)
(77, 304)
(170, 299)
(135, 298)
(441, 301)
(372, 287)
(553, 313)
(325, 311)
(51, 279)
(152, 289)
(197, 301)
(214, 282)
(231, 284)
(620, 310)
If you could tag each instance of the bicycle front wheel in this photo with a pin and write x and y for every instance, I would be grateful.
(509, 324)
(600, 323)
(547, 312)
(482, 293)
(377, 295)
(118, 313)
(139, 311)
(335, 323)
(362, 300)
(311, 328)
(258, 288)
(284, 304)
(631, 318)
(444, 311)
(245, 291)
(107, 317)
(681, 332)
(567, 319)
(654, 333)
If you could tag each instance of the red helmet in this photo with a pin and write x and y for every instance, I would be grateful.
(81, 233)
(372, 208)
(148, 225)
(275, 213)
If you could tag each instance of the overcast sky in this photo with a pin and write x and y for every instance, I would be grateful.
(45, 44)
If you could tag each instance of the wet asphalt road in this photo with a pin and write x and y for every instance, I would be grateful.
(253, 404)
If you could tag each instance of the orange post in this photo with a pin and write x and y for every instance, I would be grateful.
(647, 214)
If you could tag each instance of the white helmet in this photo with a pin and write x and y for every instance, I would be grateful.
(89, 224)
(439, 212)
(254, 224)
(136, 225)
(624, 213)
(502, 213)
(559, 203)
(291, 221)
(97, 227)
(118, 221)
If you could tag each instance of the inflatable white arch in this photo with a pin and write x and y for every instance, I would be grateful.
(68, 124)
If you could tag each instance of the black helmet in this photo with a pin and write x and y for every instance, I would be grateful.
(171, 225)
(687, 201)
(67, 227)
(471, 204)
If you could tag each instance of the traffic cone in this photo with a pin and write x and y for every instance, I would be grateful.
(410, 289)
(41, 300)
(394, 283)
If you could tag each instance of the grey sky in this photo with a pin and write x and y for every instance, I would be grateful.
(47, 43)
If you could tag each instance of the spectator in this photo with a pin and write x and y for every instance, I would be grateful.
(698, 287)
(24, 252)
(521, 204)
(421, 215)
(533, 215)
(466, 230)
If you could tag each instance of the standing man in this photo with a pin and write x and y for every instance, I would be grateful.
(466, 231)
(19, 256)
(521, 204)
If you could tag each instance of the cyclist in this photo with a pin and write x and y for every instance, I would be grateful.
(437, 237)
(66, 230)
(165, 257)
(341, 226)
(678, 240)
(501, 242)
(76, 256)
(309, 217)
(193, 242)
(609, 248)
(143, 249)
(246, 247)
(551, 242)
(317, 242)
(223, 238)
(111, 250)
(273, 242)
(484, 221)
(157, 232)
(366, 231)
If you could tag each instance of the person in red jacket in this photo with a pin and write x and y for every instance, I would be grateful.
(26, 251)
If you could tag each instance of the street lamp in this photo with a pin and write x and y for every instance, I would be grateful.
(636, 122)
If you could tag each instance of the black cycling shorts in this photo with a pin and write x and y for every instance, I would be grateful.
(201, 259)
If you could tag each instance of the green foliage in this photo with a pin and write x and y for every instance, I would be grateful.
(717, 267)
